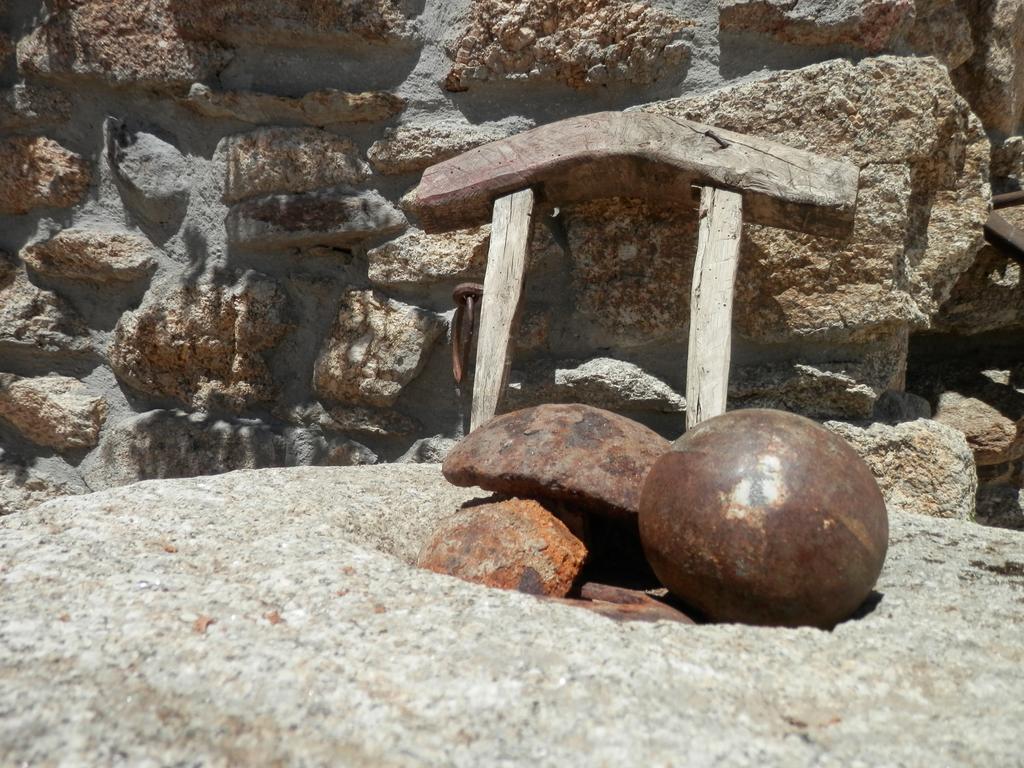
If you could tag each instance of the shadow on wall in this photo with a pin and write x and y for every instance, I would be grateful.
(166, 444)
(198, 250)
(743, 53)
(291, 47)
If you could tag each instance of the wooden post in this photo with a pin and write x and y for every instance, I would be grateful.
(714, 278)
(503, 290)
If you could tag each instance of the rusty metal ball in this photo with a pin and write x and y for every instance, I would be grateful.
(764, 517)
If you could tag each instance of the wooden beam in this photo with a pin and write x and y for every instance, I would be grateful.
(648, 156)
(1008, 199)
(511, 227)
(1004, 236)
(714, 279)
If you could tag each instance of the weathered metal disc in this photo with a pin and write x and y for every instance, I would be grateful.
(764, 517)
(586, 456)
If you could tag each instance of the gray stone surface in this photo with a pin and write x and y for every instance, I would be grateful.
(153, 174)
(814, 391)
(26, 483)
(268, 617)
(427, 450)
(603, 382)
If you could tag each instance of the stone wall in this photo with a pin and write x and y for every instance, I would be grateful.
(206, 264)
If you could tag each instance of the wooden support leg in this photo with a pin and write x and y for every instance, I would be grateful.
(503, 291)
(714, 278)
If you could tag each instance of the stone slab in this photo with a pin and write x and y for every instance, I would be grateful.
(257, 617)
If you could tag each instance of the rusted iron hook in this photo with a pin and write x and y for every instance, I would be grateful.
(467, 298)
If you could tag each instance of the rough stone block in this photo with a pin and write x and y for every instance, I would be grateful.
(377, 346)
(904, 459)
(120, 42)
(985, 404)
(32, 317)
(326, 107)
(417, 258)
(988, 296)
(992, 80)
(92, 255)
(203, 343)
(872, 25)
(602, 382)
(270, 160)
(37, 172)
(942, 28)
(923, 200)
(428, 450)
(414, 146)
(55, 411)
(372, 656)
(576, 42)
(340, 217)
(995, 434)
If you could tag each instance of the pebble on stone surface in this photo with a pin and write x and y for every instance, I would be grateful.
(595, 459)
(514, 544)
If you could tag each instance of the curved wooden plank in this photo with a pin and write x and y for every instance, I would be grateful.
(637, 154)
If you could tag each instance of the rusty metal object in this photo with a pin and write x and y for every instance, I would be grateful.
(625, 604)
(589, 457)
(641, 605)
(467, 298)
(515, 544)
(764, 517)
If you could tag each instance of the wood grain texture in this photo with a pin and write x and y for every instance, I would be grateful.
(636, 154)
(714, 278)
(511, 227)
